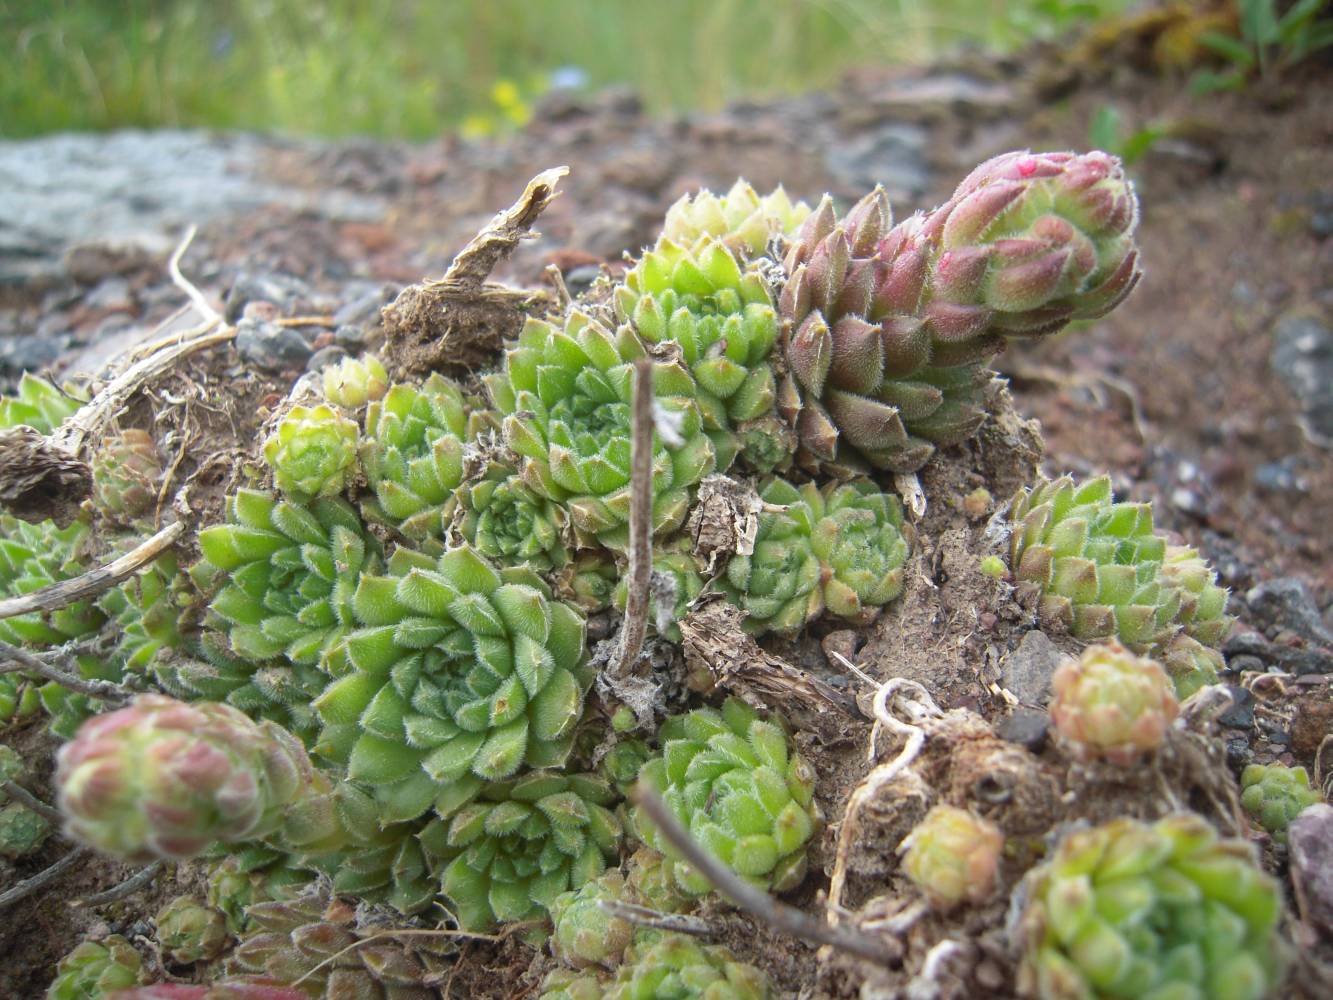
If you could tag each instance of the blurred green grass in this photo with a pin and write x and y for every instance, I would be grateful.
(416, 67)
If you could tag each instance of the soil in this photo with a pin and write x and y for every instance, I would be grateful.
(1174, 394)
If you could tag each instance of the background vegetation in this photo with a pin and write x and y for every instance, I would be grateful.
(416, 67)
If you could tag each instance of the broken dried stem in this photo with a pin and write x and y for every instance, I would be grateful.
(25, 797)
(635, 626)
(644, 916)
(759, 904)
(137, 881)
(21, 890)
(19, 660)
(95, 581)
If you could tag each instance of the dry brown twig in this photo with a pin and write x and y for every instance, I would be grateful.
(645, 916)
(20, 660)
(21, 890)
(139, 880)
(778, 915)
(21, 795)
(635, 625)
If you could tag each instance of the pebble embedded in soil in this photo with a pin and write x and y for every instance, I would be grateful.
(1310, 841)
(271, 347)
(1286, 603)
(1027, 670)
(1303, 357)
(1027, 727)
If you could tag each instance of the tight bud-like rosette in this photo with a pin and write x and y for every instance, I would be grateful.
(677, 967)
(353, 382)
(1203, 603)
(1167, 909)
(287, 575)
(566, 395)
(953, 856)
(96, 969)
(506, 521)
(190, 931)
(413, 455)
(891, 328)
(165, 779)
(38, 405)
(316, 944)
(1112, 704)
(126, 473)
(585, 934)
(733, 780)
(743, 220)
(723, 321)
(841, 549)
(1274, 795)
(312, 452)
(463, 673)
(1096, 562)
(511, 853)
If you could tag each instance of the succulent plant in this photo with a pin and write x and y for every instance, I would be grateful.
(564, 984)
(315, 944)
(506, 521)
(1203, 603)
(464, 673)
(566, 396)
(890, 329)
(22, 831)
(585, 934)
(126, 471)
(1190, 664)
(722, 321)
(147, 608)
(161, 778)
(651, 878)
(205, 670)
(354, 382)
(189, 931)
(623, 761)
(33, 556)
(38, 404)
(513, 850)
(743, 220)
(1096, 562)
(95, 968)
(841, 548)
(676, 967)
(953, 856)
(413, 455)
(234, 885)
(588, 582)
(312, 452)
(734, 782)
(676, 575)
(1274, 795)
(284, 576)
(1166, 909)
(1112, 704)
(19, 700)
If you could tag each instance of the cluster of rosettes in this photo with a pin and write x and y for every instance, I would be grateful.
(733, 780)
(1274, 795)
(840, 548)
(665, 967)
(1102, 572)
(1130, 909)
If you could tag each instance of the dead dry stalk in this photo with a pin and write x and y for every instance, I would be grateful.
(635, 626)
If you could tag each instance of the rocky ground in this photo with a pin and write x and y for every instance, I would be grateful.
(1210, 392)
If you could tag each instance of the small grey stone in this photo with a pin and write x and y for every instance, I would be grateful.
(349, 337)
(32, 353)
(1239, 752)
(282, 290)
(112, 294)
(324, 357)
(1299, 660)
(271, 347)
(364, 309)
(1027, 670)
(1303, 357)
(1286, 603)
(1280, 477)
(1027, 727)
(1241, 713)
(1310, 842)
(892, 154)
(579, 279)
